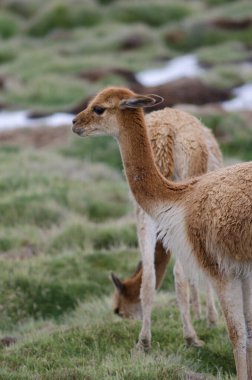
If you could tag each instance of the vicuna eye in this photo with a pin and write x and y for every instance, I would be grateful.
(99, 110)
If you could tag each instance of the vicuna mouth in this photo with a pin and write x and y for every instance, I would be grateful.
(79, 131)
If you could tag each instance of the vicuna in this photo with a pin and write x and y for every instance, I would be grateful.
(205, 221)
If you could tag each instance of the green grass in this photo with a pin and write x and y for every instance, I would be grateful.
(100, 149)
(152, 14)
(45, 46)
(9, 25)
(92, 343)
(56, 254)
(66, 220)
(233, 131)
(60, 15)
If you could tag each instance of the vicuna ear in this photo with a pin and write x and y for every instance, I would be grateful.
(117, 283)
(138, 267)
(140, 101)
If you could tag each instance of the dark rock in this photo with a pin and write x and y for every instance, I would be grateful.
(97, 74)
(38, 114)
(186, 91)
(175, 37)
(132, 42)
(2, 82)
(8, 341)
(225, 23)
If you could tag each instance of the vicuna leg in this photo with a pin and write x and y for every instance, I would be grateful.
(182, 292)
(231, 299)
(147, 241)
(195, 299)
(212, 314)
(247, 307)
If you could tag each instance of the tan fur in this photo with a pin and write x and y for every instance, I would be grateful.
(211, 214)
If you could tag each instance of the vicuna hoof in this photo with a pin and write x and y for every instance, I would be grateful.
(194, 342)
(143, 345)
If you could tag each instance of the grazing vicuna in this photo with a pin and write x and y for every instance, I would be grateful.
(182, 148)
(206, 221)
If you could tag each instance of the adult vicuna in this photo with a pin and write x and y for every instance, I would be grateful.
(182, 148)
(208, 218)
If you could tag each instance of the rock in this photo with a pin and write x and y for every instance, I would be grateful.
(97, 74)
(132, 42)
(8, 341)
(186, 91)
(2, 82)
(232, 24)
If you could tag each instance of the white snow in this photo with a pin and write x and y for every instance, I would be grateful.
(242, 100)
(184, 66)
(19, 119)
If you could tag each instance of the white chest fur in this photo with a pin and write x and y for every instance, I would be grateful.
(172, 231)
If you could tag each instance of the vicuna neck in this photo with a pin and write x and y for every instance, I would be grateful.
(148, 186)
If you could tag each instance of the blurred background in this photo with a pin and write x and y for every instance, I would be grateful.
(66, 219)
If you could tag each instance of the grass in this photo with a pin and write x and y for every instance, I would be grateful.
(152, 14)
(79, 348)
(66, 219)
(45, 46)
(233, 131)
(56, 254)
(60, 15)
(9, 25)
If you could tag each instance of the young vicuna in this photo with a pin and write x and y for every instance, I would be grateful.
(182, 148)
(206, 221)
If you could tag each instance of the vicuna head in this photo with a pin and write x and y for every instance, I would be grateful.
(102, 116)
(126, 298)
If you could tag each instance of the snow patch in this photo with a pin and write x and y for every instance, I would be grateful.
(184, 66)
(242, 100)
(20, 119)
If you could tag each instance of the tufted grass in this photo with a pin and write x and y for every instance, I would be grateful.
(66, 219)
(55, 292)
(152, 14)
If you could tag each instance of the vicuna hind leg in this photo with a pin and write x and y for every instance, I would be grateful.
(231, 300)
(247, 307)
(195, 299)
(147, 241)
(182, 293)
(212, 315)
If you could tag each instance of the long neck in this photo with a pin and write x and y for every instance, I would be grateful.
(148, 186)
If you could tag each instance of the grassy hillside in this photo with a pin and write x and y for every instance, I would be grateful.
(66, 219)
(65, 224)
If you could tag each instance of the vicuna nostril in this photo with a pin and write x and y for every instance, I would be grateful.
(74, 121)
